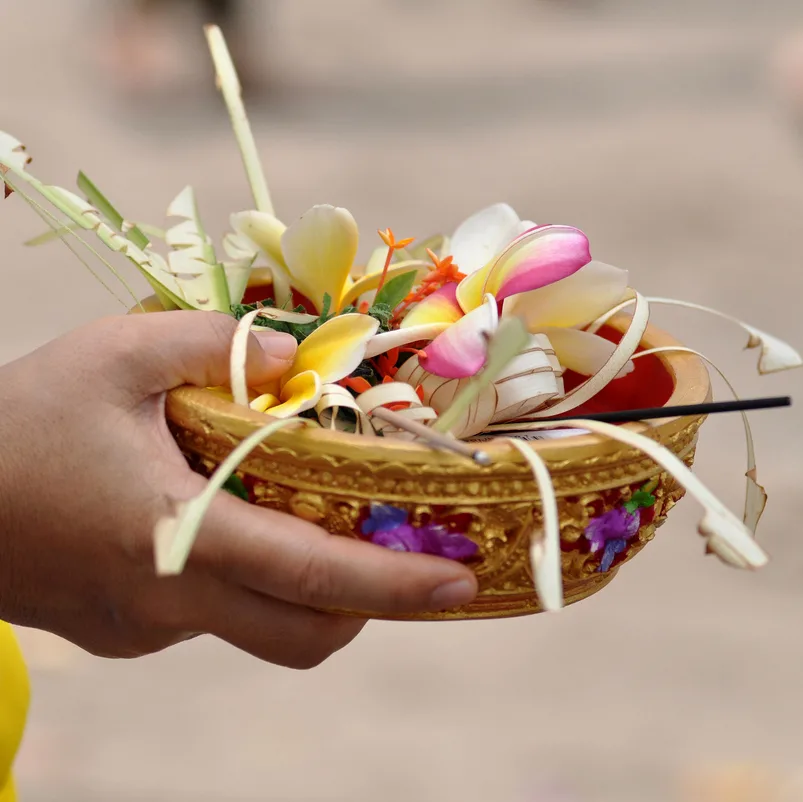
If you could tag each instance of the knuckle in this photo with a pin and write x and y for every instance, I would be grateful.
(120, 339)
(316, 583)
(125, 351)
(223, 328)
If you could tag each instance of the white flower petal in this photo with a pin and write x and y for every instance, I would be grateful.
(619, 359)
(573, 301)
(483, 235)
(582, 352)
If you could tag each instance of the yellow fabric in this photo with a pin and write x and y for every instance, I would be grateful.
(14, 695)
(7, 794)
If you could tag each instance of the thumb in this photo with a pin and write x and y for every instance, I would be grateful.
(194, 347)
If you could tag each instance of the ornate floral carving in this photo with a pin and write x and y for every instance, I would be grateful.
(498, 507)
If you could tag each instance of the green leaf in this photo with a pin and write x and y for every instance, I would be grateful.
(55, 233)
(276, 325)
(236, 487)
(299, 330)
(302, 330)
(638, 500)
(86, 217)
(326, 307)
(382, 313)
(65, 232)
(104, 206)
(396, 290)
(154, 232)
(230, 88)
(241, 310)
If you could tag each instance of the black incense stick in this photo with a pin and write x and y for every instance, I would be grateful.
(438, 440)
(635, 415)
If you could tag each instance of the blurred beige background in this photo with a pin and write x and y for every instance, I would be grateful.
(650, 125)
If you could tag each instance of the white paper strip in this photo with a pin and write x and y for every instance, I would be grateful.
(610, 370)
(545, 556)
(755, 497)
(726, 535)
(775, 354)
(333, 399)
(237, 360)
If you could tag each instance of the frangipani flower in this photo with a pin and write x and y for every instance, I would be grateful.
(314, 256)
(521, 386)
(536, 259)
(500, 255)
(461, 350)
(329, 354)
(482, 237)
(559, 310)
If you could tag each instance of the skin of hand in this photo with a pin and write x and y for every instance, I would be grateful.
(88, 466)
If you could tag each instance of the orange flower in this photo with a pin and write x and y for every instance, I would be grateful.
(385, 364)
(393, 245)
(390, 240)
(356, 383)
(444, 272)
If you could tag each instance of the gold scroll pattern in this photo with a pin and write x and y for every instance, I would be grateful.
(499, 511)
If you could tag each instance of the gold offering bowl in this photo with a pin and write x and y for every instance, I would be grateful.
(331, 478)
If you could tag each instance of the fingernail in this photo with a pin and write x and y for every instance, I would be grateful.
(453, 594)
(277, 343)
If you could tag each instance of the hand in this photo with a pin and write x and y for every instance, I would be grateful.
(88, 466)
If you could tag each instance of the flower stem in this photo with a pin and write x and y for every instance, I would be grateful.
(388, 260)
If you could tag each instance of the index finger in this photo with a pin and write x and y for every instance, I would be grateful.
(296, 561)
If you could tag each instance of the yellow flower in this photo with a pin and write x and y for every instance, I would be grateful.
(330, 353)
(314, 256)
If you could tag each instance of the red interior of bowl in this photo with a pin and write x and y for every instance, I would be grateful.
(649, 385)
(261, 292)
(254, 294)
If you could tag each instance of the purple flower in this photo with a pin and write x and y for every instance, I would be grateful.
(383, 517)
(402, 538)
(613, 547)
(388, 527)
(440, 541)
(610, 532)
